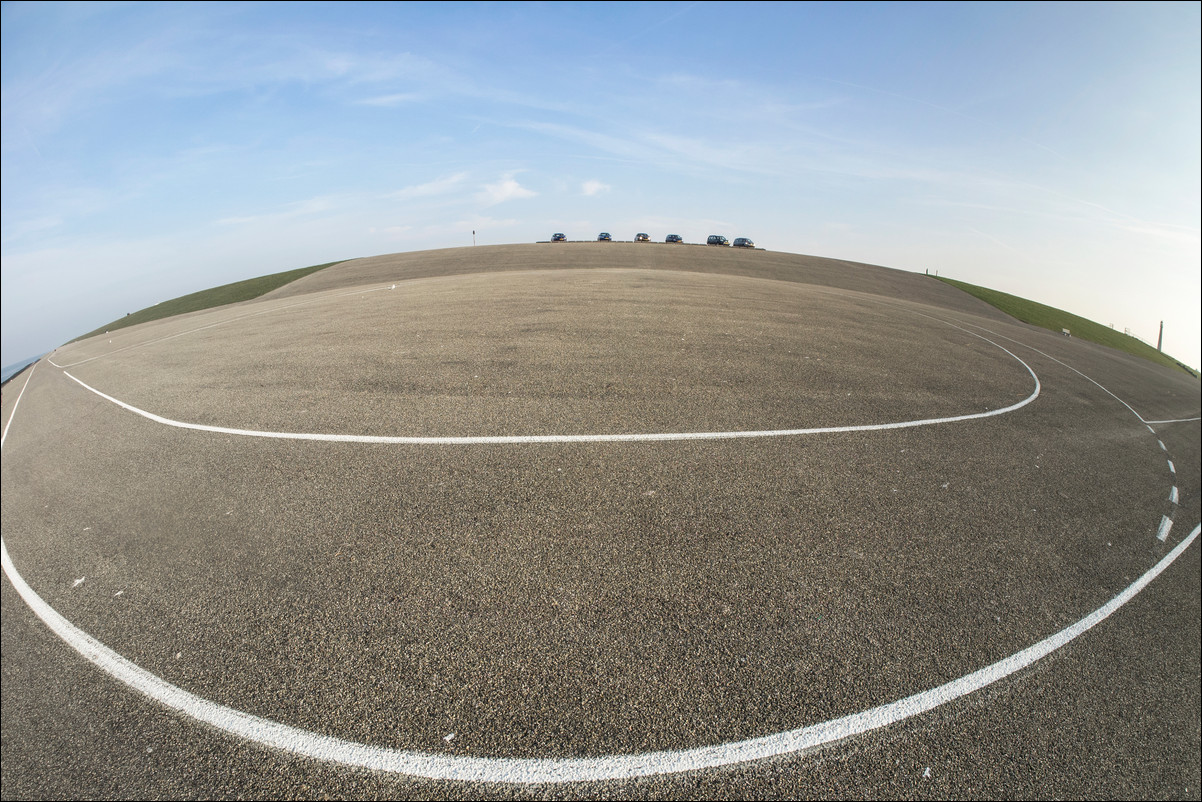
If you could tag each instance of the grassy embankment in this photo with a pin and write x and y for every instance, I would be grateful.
(207, 299)
(1049, 317)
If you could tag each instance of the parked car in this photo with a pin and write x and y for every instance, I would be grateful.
(674, 238)
(604, 237)
(716, 239)
(743, 242)
(558, 238)
(641, 238)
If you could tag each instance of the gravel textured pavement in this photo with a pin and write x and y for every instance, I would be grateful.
(411, 570)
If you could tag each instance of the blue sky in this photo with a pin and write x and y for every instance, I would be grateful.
(1048, 150)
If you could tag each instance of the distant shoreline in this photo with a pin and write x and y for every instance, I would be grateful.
(17, 368)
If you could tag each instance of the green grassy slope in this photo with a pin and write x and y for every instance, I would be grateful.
(1049, 317)
(207, 299)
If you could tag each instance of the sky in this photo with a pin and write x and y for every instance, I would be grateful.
(1046, 150)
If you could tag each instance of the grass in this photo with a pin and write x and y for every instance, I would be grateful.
(1049, 317)
(207, 299)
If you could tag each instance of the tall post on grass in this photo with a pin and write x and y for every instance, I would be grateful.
(1160, 339)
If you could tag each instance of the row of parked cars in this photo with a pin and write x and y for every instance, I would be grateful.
(714, 239)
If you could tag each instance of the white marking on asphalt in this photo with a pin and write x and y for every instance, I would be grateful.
(78, 582)
(1166, 523)
(572, 438)
(527, 439)
(1172, 468)
(1142, 419)
(533, 770)
(1173, 494)
(526, 771)
(17, 403)
(1161, 443)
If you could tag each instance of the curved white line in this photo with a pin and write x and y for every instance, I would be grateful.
(558, 438)
(16, 404)
(526, 771)
(539, 771)
(1074, 370)
(574, 438)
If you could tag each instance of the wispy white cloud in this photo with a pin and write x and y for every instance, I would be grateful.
(591, 188)
(1179, 234)
(17, 230)
(1024, 198)
(506, 189)
(441, 233)
(625, 147)
(384, 67)
(305, 208)
(391, 100)
(693, 82)
(439, 186)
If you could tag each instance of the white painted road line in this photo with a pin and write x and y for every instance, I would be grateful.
(1173, 495)
(526, 771)
(550, 771)
(1172, 468)
(578, 438)
(1142, 419)
(570, 438)
(1166, 523)
(16, 403)
(557, 438)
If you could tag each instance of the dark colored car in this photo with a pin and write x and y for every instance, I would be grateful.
(716, 239)
(674, 238)
(743, 242)
(558, 238)
(604, 237)
(641, 238)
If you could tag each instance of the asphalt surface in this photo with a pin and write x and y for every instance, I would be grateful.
(586, 600)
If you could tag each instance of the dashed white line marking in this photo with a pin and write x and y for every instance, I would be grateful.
(532, 770)
(1161, 444)
(1173, 495)
(1142, 419)
(1172, 468)
(1166, 523)
(525, 771)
